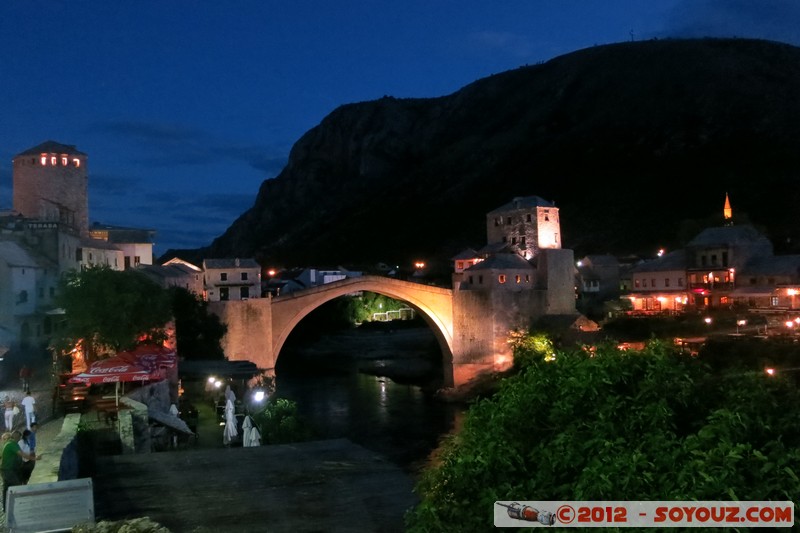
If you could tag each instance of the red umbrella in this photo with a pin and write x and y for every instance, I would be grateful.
(117, 370)
(151, 356)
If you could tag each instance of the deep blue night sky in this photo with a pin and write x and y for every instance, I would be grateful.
(185, 107)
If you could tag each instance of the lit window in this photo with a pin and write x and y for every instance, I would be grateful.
(77, 162)
(518, 278)
(44, 160)
(773, 301)
(64, 160)
(53, 160)
(501, 278)
(460, 265)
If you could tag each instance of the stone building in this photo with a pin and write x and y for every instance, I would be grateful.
(522, 275)
(231, 279)
(50, 184)
(732, 265)
(50, 224)
(526, 225)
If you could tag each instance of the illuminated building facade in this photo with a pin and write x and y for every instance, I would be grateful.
(525, 225)
(722, 267)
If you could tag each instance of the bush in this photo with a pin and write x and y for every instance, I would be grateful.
(649, 425)
(280, 423)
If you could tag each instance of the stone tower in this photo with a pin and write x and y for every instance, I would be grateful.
(51, 184)
(526, 224)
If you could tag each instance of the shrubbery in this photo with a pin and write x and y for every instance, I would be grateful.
(614, 425)
(280, 423)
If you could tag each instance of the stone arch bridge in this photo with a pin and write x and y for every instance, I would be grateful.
(471, 326)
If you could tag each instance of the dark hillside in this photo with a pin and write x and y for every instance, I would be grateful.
(629, 140)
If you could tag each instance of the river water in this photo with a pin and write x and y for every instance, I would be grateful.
(402, 421)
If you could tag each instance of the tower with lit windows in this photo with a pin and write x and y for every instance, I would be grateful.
(51, 185)
(525, 225)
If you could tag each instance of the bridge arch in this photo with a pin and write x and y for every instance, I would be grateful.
(434, 304)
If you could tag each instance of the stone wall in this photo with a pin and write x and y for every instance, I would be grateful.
(249, 336)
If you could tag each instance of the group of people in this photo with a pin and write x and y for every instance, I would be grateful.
(18, 458)
(11, 410)
(18, 448)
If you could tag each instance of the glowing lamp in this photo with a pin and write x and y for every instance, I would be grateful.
(707, 320)
(259, 395)
(770, 371)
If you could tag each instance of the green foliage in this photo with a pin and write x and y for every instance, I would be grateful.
(615, 425)
(280, 423)
(110, 308)
(198, 333)
(362, 308)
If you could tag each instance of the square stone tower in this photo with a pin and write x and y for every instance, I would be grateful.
(51, 184)
(527, 224)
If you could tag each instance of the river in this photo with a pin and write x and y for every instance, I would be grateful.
(400, 420)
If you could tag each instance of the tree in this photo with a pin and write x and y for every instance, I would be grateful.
(197, 332)
(615, 425)
(111, 309)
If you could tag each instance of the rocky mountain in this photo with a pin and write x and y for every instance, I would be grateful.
(636, 143)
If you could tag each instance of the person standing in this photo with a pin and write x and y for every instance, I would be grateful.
(28, 402)
(10, 461)
(26, 467)
(25, 377)
(9, 406)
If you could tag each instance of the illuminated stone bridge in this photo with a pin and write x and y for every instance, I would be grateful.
(471, 325)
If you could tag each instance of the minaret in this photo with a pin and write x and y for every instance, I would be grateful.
(727, 212)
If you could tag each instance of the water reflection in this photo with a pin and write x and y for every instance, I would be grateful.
(401, 422)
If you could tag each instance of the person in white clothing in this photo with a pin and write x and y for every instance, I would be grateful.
(9, 406)
(28, 402)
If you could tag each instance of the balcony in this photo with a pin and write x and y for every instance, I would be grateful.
(716, 286)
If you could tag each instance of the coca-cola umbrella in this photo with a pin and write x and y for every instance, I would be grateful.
(117, 369)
